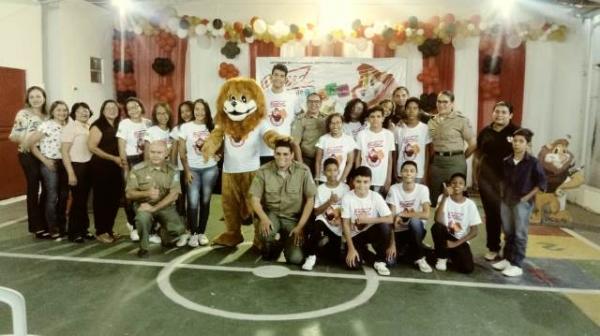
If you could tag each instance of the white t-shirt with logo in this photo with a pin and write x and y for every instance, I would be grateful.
(281, 111)
(332, 217)
(353, 128)
(410, 201)
(370, 206)
(458, 217)
(374, 152)
(411, 143)
(243, 156)
(156, 133)
(50, 143)
(133, 134)
(337, 148)
(195, 135)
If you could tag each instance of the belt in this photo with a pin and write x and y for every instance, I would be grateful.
(450, 153)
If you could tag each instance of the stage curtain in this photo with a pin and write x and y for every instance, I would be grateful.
(261, 49)
(144, 51)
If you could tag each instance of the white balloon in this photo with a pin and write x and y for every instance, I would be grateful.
(250, 39)
(220, 32)
(420, 31)
(369, 32)
(408, 32)
(204, 41)
(260, 26)
(173, 24)
(513, 41)
(138, 30)
(470, 27)
(182, 33)
(200, 29)
(272, 30)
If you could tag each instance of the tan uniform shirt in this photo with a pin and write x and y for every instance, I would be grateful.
(283, 196)
(306, 131)
(449, 133)
(144, 176)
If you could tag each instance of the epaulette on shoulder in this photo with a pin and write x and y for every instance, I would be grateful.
(140, 165)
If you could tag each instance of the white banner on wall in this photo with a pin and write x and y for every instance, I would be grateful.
(337, 79)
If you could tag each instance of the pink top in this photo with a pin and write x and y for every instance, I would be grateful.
(77, 134)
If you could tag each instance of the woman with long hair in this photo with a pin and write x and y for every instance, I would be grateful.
(105, 165)
(46, 147)
(76, 157)
(130, 134)
(200, 174)
(160, 130)
(26, 121)
(185, 113)
(354, 117)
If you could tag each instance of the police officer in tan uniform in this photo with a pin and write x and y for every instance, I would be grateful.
(449, 130)
(154, 186)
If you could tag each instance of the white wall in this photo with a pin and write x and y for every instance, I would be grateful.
(75, 31)
(21, 38)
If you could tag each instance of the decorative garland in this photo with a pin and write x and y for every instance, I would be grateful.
(414, 30)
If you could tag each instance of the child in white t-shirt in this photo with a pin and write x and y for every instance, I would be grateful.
(456, 221)
(366, 219)
(326, 230)
(409, 202)
(160, 130)
(335, 144)
(375, 147)
(412, 138)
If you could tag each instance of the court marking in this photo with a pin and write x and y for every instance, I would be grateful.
(12, 222)
(581, 238)
(303, 273)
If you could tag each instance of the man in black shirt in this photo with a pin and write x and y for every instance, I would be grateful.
(493, 145)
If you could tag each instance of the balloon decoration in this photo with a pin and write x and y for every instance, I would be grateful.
(414, 30)
(164, 93)
(230, 50)
(163, 66)
(166, 41)
(228, 70)
(492, 65)
(123, 66)
(428, 101)
(490, 86)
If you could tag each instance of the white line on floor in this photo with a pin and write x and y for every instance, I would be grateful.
(471, 284)
(13, 200)
(581, 238)
(14, 221)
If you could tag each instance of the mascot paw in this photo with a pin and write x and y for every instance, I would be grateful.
(561, 216)
(230, 239)
(535, 218)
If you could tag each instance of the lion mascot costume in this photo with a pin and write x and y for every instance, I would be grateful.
(240, 129)
(559, 165)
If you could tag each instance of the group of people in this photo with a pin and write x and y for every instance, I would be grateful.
(370, 176)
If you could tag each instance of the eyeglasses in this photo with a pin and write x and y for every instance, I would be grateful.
(443, 101)
(314, 101)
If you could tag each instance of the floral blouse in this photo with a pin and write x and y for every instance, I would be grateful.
(26, 122)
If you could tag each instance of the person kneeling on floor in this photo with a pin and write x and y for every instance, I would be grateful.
(154, 186)
(366, 219)
(282, 198)
(456, 220)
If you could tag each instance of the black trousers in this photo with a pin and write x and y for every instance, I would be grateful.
(460, 256)
(378, 235)
(316, 231)
(79, 222)
(35, 202)
(180, 204)
(107, 189)
(490, 198)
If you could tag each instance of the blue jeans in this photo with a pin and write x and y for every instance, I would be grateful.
(199, 193)
(57, 191)
(515, 224)
(412, 239)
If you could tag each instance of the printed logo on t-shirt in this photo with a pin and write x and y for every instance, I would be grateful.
(278, 113)
(411, 147)
(199, 139)
(139, 136)
(454, 222)
(237, 143)
(333, 215)
(375, 153)
(361, 212)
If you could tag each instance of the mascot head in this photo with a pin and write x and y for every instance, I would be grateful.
(240, 106)
(556, 159)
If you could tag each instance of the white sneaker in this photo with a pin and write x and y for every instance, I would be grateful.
(440, 264)
(501, 265)
(381, 268)
(423, 265)
(491, 256)
(183, 239)
(134, 236)
(203, 239)
(155, 239)
(309, 263)
(512, 271)
(193, 242)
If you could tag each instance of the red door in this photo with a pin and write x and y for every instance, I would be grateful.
(12, 97)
